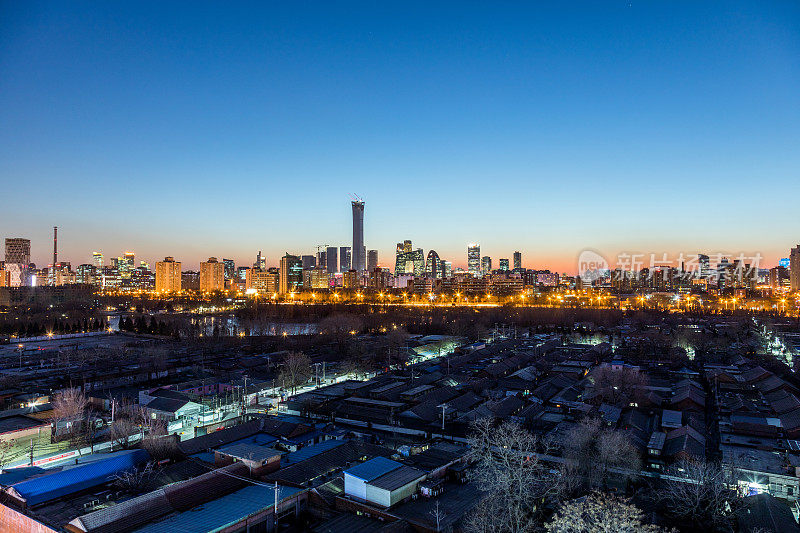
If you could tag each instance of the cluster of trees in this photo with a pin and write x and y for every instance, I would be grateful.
(153, 326)
(57, 326)
(524, 493)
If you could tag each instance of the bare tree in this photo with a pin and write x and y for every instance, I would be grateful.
(701, 492)
(6, 448)
(137, 480)
(618, 387)
(599, 513)
(69, 410)
(161, 447)
(509, 471)
(438, 515)
(296, 370)
(591, 452)
(121, 430)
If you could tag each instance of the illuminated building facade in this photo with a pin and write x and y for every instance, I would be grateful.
(433, 266)
(474, 259)
(794, 268)
(359, 250)
(212, 275)
(486, 265)
(344, 258)
(230, 268)
(168, 275)
(372, 260)
(291, 274)
(332, 265)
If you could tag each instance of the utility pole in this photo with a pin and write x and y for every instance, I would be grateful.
(275, 510)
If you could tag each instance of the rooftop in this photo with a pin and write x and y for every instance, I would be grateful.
(373, 469)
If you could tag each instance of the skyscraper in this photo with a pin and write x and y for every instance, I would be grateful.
(794, 268)
(372, 260)
(261, 262)
(97, 259)
(517, 260)
(704, 264)
(18, 258)
(308, 261)
(229, 268)
(344, 258)
(486, 265)
(474, 259)
(332, 263)
(212, 275)
(291, 274)
(168, 275)
(400, 258)
(504, 264)
(18, 251)
(359, 251)
(433, 265)
(447, 269)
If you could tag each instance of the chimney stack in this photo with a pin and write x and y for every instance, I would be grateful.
(55, 246)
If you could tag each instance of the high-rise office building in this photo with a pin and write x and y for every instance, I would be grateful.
(351, 279)
(474, 259)
(126, 264)
(784, 262)
(261, 262)
(168, 275)
(517, 260)
(504, 264)
(400, 258)
(229, 268)
(331, 264)
(433, 266)
(359, 250)
(344, 258)
(794, 268)
(291, 274)
(308, 261)
(18, 251)
(97, 259)
(410, 262)
(704, 264)
(212, 275)
(447, 269)
(18, 259)
(486, 265)
(372, 260)
(322, 259)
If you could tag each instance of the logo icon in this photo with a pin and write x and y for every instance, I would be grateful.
(591, 266)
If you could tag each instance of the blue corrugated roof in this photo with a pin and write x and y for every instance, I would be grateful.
(310, 451)
(16, 475)
(373, 468)
(71, 480)
(223, 512)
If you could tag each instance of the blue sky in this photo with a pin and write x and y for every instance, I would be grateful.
(194, 129)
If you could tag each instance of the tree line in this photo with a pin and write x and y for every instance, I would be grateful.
(37, 328)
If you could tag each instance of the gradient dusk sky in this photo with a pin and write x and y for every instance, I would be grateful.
(196, 129)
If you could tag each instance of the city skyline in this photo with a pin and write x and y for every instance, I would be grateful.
(222, 131)
(387, 259)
